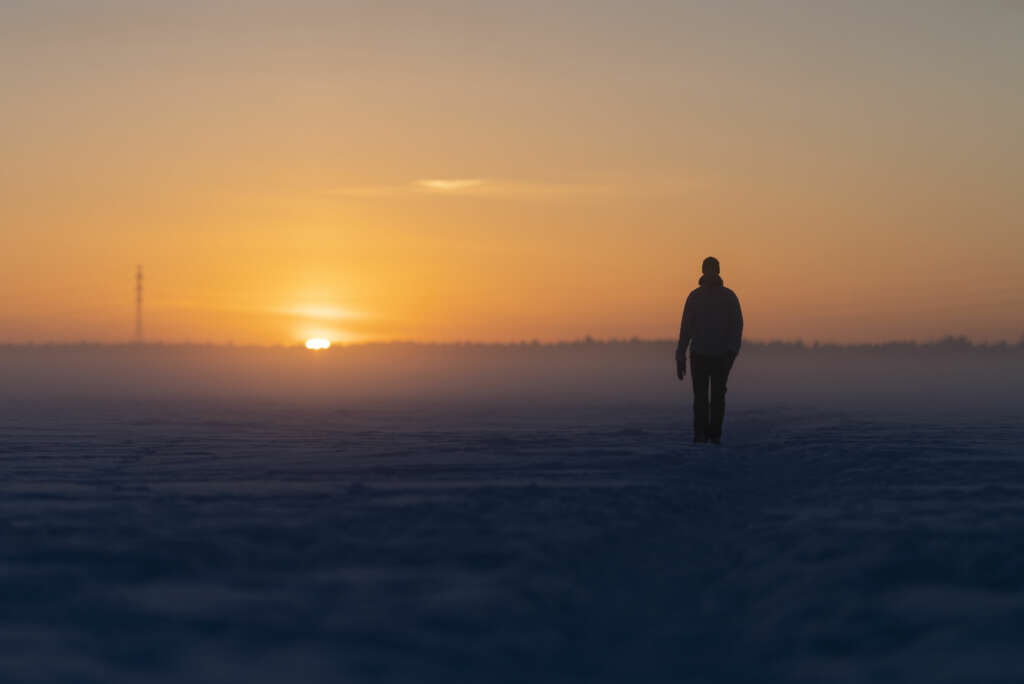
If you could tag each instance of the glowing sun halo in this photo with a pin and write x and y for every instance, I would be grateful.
(317, 343)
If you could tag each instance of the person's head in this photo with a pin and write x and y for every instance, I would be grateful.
(710, 266)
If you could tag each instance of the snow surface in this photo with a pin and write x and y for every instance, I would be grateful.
(215, 539)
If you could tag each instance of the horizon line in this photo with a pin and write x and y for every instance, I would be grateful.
(945, 341)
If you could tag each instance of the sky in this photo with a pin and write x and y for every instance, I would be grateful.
(497, 171)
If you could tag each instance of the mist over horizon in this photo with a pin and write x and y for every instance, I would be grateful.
(907, 378)
(944, 342)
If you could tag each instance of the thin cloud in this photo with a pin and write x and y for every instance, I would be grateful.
(449, 184)
(330, 313)
(479, 187)
(424, 186)
(312, 312)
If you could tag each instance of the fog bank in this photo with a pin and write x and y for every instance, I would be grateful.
(894, 377)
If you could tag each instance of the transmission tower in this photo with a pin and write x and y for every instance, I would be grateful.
(138, 304)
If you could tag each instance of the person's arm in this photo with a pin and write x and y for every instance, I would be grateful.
(685, 334)
(735, 328)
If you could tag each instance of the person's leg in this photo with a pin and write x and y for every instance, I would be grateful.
(701, 374)
(719, 376)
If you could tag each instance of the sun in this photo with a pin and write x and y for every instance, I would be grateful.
(318, 343)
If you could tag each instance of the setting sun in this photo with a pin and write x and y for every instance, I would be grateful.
(318, 343)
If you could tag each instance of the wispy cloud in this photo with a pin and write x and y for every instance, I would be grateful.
(329, 313)
(312, 312)
(480, 187)
(423, 186)
(449, 184)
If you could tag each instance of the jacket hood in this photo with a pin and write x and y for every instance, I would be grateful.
(710, 279)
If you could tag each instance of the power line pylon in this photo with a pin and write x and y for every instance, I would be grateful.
(138, 305)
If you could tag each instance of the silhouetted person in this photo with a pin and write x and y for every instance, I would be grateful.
(712, 327)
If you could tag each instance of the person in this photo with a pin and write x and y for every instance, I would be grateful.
(712, 327)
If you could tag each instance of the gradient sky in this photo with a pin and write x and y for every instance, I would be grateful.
(515, 170)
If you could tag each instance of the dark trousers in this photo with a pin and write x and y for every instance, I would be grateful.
(709, 372)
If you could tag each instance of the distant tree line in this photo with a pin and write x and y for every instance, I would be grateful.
(949, 344)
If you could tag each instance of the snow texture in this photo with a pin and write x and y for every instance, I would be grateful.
(839, 535)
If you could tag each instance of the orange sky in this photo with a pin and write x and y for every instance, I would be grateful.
(485, 171)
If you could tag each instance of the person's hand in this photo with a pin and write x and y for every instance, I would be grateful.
(680, 368)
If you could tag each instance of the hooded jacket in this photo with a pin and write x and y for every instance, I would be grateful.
(712, 321)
